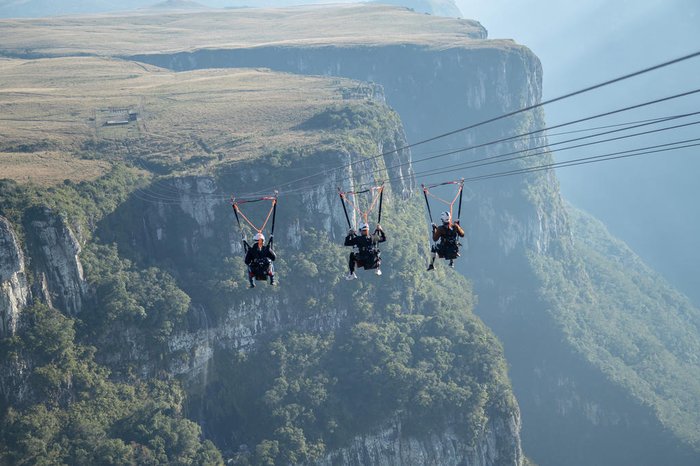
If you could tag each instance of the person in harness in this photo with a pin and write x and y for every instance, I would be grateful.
(367, 254)
(259, 259)
(446, 240)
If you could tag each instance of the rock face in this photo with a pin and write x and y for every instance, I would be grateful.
(180, 231)
(499, 445)
(434, 91)
(14, 292)
(54, 251)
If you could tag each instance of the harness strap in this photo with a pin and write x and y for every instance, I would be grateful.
(274, 214)
(246, 219)
(353, 203)
(342, 200)
(451, 204)
(239, 214)
(461, 191)
(425, 194)
(269, 213)
(238, 220)
(374, 200)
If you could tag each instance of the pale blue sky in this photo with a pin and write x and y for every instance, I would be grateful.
(590, 40)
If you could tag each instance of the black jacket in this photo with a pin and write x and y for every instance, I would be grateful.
(255, 253)
(365, 244)
(447, 233)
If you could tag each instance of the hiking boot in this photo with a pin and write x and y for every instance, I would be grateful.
(431, 267)
(452, 264)
(378, 272)
(351, 276)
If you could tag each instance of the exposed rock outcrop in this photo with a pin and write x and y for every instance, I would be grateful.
(54, 251)
(498, 444)
(14, 292)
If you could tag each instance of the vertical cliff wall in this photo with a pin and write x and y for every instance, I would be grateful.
(54, 266)
(435, 91)
(390, 447)
(224, 322)
(55, 257)
(14, 291)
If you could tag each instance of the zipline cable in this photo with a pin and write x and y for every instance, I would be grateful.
(575, 162)
(611, 155)
(515, 112)
(546, 149)
(176, 195)
(585, 161)
(517, 136)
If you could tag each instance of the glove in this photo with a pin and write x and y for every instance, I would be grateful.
(457, 221)
(351, 232)
(434, 226)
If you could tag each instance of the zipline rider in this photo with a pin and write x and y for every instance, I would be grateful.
(367, 254)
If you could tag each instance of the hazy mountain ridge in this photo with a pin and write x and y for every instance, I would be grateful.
(655, 328)
(179, 4)
(44, 8)
(433, 7)
(169, 31)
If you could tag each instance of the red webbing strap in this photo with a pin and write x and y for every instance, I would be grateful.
(375, 198)
(426, 190)
(246, 218)
(272, 207)
(238, 211)
(352, 204)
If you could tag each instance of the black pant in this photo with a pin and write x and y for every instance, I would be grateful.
(371, 261)
(446, 250)
(351, 262)
(259, 269)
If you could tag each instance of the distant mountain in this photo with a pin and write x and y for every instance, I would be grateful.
(39, 8)
(179, 5)
(433, 7)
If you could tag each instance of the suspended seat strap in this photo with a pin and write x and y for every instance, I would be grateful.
(450, 204)
(377, 196)
(272, 213)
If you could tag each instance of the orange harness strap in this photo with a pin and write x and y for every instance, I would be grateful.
(376, 192)
(269, 214)
(450, 204)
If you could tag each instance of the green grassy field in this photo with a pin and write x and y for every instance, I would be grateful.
(54, 110)
(48, 168)
(153, 32)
